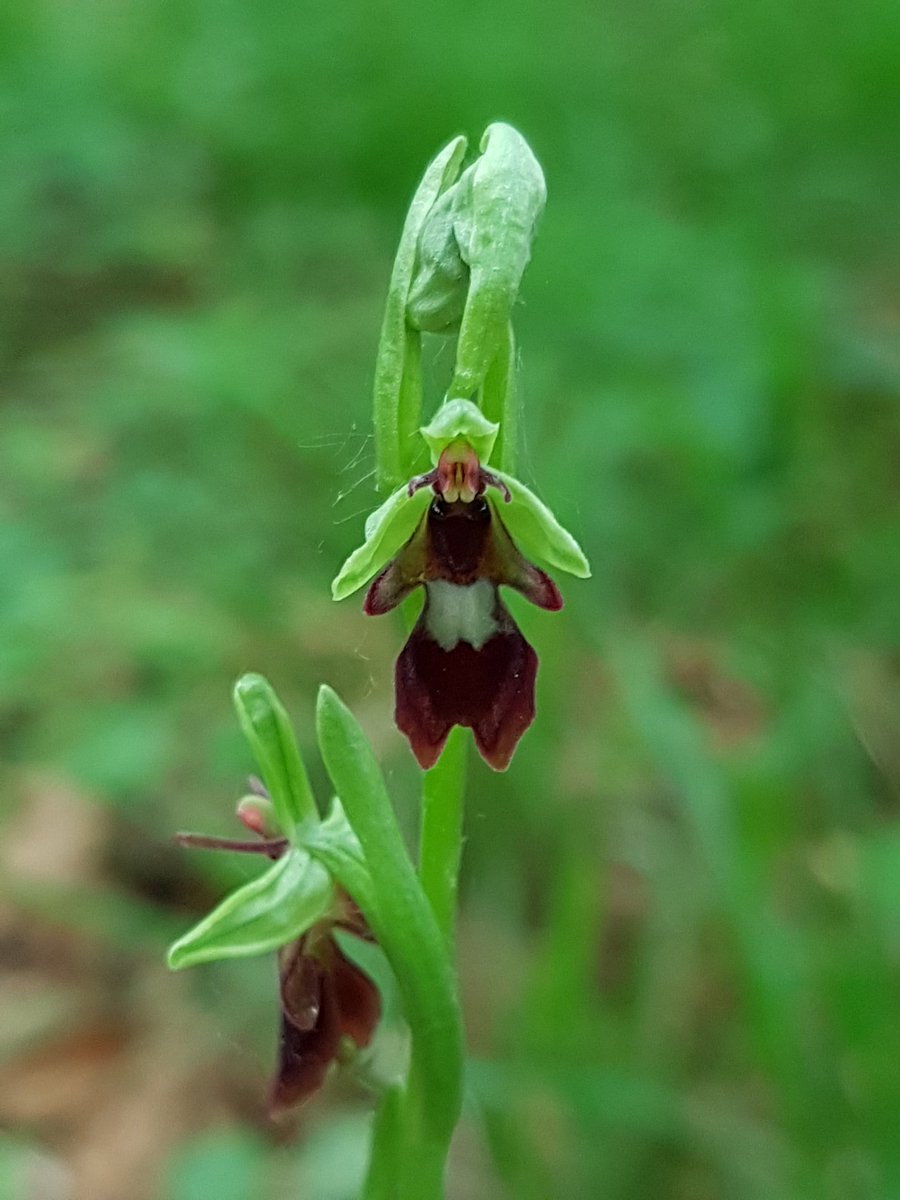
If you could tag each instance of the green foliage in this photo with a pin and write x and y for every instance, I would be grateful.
(197, 217)
(267, 728)
(271, 911)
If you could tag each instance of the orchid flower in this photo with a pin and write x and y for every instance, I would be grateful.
(325, 997)
(462, 530)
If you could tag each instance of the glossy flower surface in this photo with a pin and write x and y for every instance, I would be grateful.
(451, 531)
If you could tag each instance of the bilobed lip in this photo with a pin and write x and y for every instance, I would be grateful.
(489, 690)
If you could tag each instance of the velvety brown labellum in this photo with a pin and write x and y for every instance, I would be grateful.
(490, 690)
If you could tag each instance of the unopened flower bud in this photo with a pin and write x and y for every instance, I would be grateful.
(257, 813)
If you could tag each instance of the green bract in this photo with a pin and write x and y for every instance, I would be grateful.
(268, 730)
(397, 393)
(529, 521)
(495, 224)
(269, 912)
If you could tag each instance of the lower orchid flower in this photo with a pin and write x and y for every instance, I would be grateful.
(327, 1001)
(324, 998)
(466, 661)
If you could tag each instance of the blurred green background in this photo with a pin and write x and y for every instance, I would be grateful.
(680, 935)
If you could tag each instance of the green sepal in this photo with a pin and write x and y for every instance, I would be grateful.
(499, 201)
(393, 360)
(459, 419)
(268, 730)
(536, 531)
(387, 529)
(272, 910)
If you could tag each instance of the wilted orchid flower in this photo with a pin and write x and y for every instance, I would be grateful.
(325, 998)
(461, 531)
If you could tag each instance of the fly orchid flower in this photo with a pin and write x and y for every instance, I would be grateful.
(466, 661)
(325, 998)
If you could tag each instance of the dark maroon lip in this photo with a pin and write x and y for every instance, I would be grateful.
(490, 691)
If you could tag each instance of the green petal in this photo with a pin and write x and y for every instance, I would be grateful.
(460, 419)
(274, 909)
(387, 529)
(537, 532)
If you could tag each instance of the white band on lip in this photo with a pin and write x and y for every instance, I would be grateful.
(460, 612)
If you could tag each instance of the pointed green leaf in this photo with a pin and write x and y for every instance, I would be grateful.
(537, 532)
(273, 910)
(392, 347)
(403, 920)
(268, 730)
(460, 419)
(387, 529)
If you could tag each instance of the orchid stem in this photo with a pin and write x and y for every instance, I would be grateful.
(440, 841)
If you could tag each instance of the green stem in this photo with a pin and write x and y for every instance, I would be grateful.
(384, 1161)
(394, 902)
(498, 400)
(440, 843)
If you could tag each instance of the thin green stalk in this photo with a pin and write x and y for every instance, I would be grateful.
(383, 1173)
(498, 400)
(440, 842)
(404, 923)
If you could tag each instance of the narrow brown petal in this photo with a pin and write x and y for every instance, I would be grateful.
(506, 565)
(403, 573)
(300, 980)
